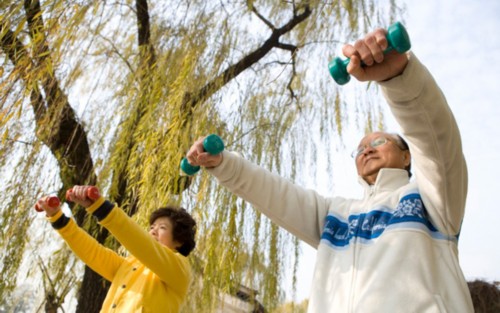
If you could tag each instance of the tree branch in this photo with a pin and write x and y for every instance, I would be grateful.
(144, 31)
(234, 70)
(262, 18)
(66, 138)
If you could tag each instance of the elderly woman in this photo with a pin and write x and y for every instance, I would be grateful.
(156, 275)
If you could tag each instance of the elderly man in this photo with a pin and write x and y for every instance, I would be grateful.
(394, 250)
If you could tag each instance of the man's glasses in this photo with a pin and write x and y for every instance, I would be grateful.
(377, 142)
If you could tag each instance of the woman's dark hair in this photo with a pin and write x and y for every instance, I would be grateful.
(183, 226)
(403, 145)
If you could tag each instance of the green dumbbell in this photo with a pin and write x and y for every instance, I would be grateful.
(213, 144)
(397, 38)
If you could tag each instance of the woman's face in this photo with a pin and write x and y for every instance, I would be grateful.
(162, 231)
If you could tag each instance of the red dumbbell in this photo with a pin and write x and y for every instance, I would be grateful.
(92, 193)
(52, 201)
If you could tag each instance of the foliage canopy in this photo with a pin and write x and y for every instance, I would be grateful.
(113, 93)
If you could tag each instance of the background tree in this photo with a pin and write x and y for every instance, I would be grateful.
(485, 295)
(291, 307)
(114, 93)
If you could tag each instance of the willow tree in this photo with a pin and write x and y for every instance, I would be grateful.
(113, 93)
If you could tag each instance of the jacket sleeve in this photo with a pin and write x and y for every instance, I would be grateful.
(428, 124)
(170, 266)
(302, 212)
(100, 259)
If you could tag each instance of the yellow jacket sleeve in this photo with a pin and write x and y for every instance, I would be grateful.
(170, 266)
(102, 260)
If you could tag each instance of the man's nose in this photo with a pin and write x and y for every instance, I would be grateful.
(368, 149)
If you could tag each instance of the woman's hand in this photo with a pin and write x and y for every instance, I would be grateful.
(83, 195)
(48, 205)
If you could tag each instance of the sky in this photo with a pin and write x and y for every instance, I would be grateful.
(458, 42)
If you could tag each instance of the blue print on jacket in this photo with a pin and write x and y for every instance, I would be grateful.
(410, 213)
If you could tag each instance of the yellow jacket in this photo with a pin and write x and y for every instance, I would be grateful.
(153, 279)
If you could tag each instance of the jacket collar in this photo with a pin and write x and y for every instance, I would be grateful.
(387, 179)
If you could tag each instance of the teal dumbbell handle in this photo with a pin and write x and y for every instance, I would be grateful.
(212, 144)
(397, 38)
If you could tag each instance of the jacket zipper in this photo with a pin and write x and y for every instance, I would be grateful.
(352, 292)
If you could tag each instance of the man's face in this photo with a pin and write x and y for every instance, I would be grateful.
(376, 151)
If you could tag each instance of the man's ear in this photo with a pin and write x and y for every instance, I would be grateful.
(406, 158)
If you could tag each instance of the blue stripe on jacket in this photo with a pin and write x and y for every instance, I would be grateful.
(410, 213)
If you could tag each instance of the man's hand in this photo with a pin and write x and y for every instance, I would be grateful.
(368, 61)
(197, 156)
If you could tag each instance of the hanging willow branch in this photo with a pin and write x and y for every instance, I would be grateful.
(57, 125)
(158, 79)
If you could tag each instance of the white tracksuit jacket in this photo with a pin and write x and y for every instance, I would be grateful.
(395, 250)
